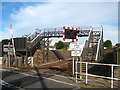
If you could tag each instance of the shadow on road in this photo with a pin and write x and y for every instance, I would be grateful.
(40, 78)
(24, 82)
(5, 74)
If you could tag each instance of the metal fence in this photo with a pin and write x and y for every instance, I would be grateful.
(87, 74)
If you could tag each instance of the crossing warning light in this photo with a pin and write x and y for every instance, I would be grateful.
(70, 34)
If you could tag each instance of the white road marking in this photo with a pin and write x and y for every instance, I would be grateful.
(40, 72)
(42, 77)
(4, 69)
(57, 75)
(45, 73)
(10, 85)
(14, 68)
(59, 81)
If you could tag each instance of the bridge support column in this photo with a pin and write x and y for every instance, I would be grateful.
(25, 59)
(47, 49)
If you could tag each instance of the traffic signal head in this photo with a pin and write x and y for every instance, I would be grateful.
(70, 34)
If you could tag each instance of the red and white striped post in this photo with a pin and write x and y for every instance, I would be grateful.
(12, 41)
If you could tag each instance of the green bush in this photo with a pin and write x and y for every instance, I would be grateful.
(61, 45)
(107, 44)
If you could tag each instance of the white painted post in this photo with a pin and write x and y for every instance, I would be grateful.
(6, 62)
(86, 72)
(73, 65)
(112, 76)
(76, 70)
(32, 61)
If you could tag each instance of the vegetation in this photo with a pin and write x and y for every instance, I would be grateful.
(117, 52)
(109, 56)
(5, 41)
(61, 45)
(107, 44)
(112, 55)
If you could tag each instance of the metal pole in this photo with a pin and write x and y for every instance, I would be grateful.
(86, 72)
(80, 67)
(76, 70)
(9, 53)
(6, 61)
(44, 48)
(73, 64)
(26, 59)
(112, 76)
(118, 55)
(16, 62)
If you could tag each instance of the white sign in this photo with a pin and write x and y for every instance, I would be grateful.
(76, 46)
(30, 60)
(1, 60)
(75, 53)
(7, 48)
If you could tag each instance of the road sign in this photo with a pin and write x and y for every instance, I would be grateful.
(7, 48)
(75, 53)
(76, 46)
(30, 60)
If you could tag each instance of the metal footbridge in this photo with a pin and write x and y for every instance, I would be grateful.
(92, 47)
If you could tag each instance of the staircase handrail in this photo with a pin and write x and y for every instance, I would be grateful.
(85, 42)
(98, 47)
(37, 36)
(29, 35)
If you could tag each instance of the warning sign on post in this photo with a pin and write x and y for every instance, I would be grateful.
(76, 46)
(75, 53)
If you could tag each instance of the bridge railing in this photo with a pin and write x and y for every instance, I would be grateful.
(87, 74)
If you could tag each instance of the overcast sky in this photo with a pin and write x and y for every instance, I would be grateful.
(27, 16)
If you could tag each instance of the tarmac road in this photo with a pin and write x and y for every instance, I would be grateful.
(16, 79)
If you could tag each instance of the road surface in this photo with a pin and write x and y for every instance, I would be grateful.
(14, 78)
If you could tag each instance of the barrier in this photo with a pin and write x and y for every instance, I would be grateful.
(87, 74)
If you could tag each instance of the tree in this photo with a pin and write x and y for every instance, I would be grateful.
(61, 45)
(108, 44)
(5, 41)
